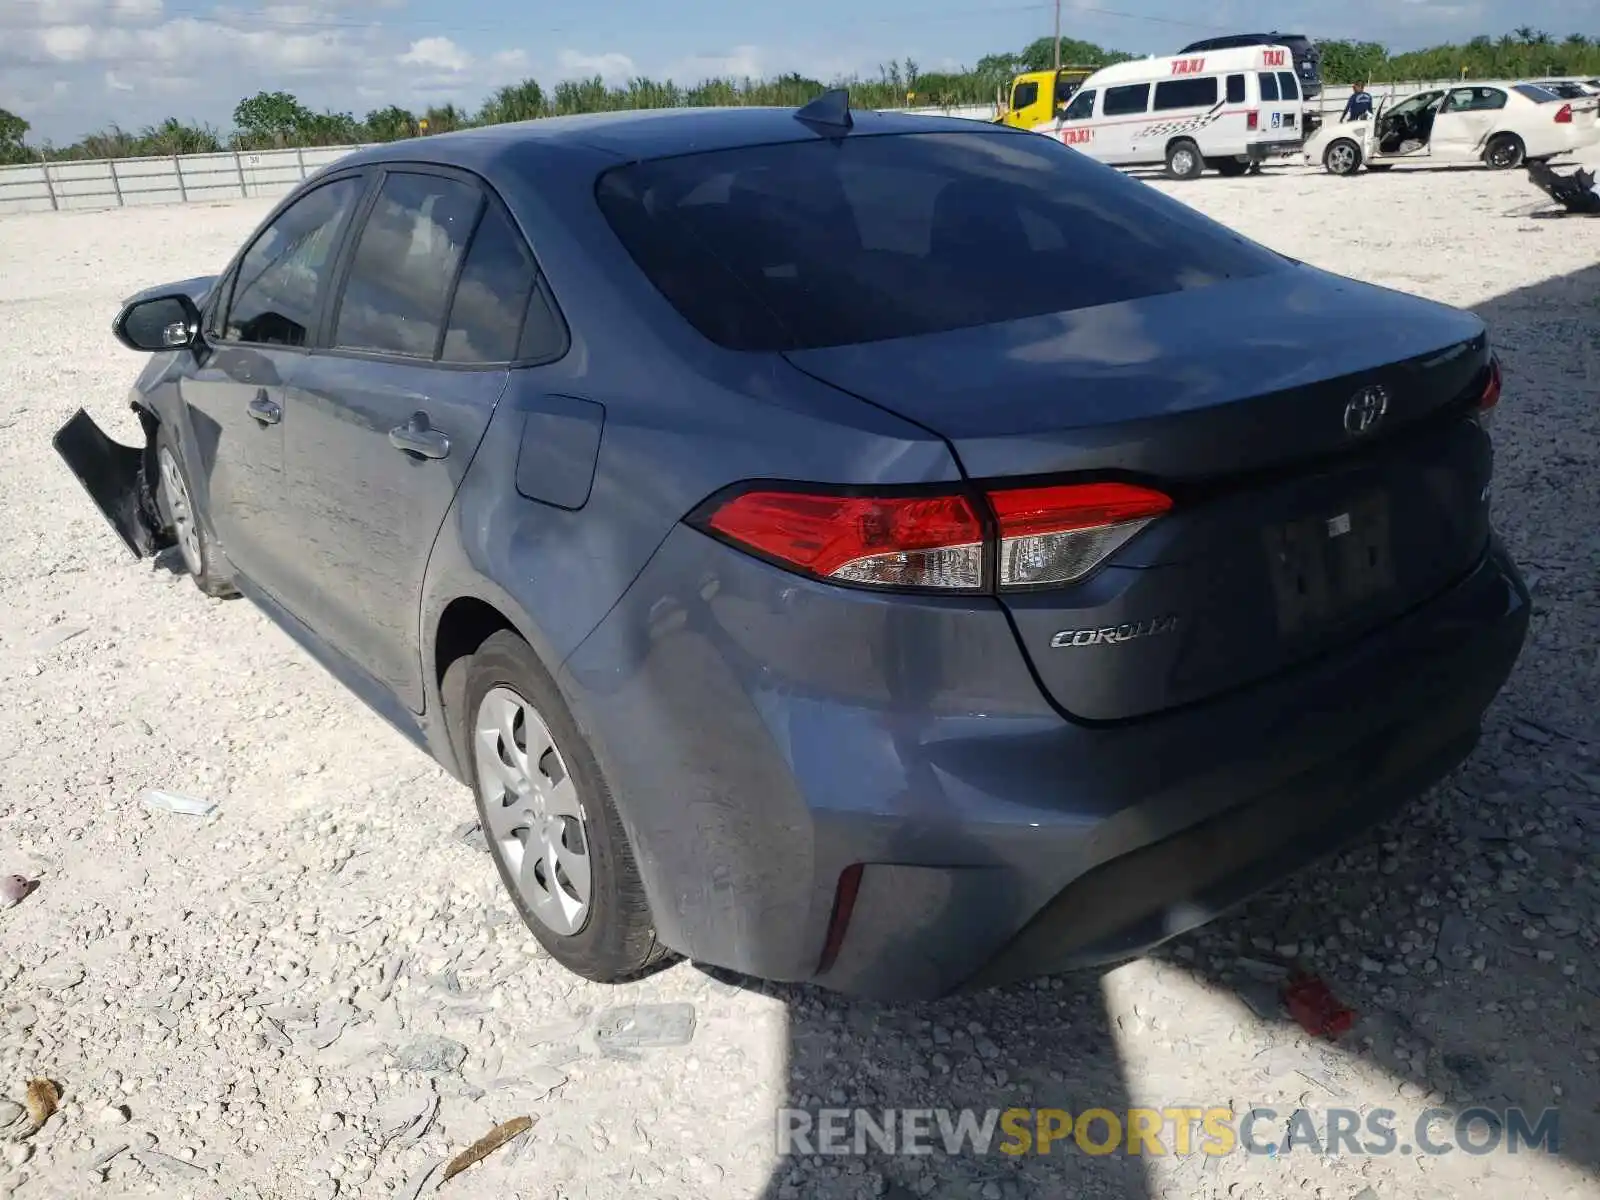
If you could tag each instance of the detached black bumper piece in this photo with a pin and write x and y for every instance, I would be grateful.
(1576, 192)
(118, 480)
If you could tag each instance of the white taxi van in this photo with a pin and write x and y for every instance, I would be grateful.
(1227, 110)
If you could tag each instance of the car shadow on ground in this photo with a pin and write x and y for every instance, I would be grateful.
(1462, 932)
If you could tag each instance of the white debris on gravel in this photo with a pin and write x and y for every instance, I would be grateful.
(318, 990)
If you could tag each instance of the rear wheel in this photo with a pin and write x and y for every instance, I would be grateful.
(1343, 157)
(201, 555)
(1505, 151)
(1184, 160)
(549, 820)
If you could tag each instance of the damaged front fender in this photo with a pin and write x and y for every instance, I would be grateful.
(119, 479)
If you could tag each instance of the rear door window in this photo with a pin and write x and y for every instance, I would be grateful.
(1269, 85)
(499, 312)
(405, 265)
(825, 243)
(1186, 93)
(1288, 85)
(1124, 101)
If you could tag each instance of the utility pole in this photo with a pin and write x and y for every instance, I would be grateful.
(1058, 36)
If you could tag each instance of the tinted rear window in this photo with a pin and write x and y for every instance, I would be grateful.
(811, 244)
(1535, 93)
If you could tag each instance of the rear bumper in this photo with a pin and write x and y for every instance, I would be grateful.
(1278, 148)
(763, 735)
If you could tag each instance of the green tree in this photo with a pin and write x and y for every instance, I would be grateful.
(514, 102)
(271, 118)
(391, 124)
(13, 137)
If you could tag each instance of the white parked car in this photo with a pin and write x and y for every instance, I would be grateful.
(1500, 124)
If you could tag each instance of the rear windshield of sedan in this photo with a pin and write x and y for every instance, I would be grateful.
(809, 244)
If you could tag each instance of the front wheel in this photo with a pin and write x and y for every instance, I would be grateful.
(1184, 160)
(1504, 152)
(1343, 157)
(202, 557)
(549, 820)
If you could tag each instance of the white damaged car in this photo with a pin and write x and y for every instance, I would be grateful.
(1500, 124)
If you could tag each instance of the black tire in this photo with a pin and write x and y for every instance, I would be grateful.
(1342, 157)
(1228, 168)
(617, 939)
(1184, 160)
(1505, 152)
(202, 556)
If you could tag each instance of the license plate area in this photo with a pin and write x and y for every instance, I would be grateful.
(1330, 567)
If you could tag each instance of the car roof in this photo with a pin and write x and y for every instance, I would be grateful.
(1146, 70)
(634, 135)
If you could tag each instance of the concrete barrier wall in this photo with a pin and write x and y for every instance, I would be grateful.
(189, 178)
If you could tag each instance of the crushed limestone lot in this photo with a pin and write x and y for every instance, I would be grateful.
(320, 990)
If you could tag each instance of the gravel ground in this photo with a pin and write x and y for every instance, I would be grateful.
(319, 990)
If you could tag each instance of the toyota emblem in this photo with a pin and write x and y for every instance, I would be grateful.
(1366, 408)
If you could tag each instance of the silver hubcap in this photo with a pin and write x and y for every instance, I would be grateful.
(1183, 162)
(1341, 159)
(536, 822)
(180, 512)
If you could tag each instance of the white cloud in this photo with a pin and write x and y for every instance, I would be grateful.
(612, 67)
(136, 10)
(115, 83)
(67, 43)
(509, 60)
(737, 63)
(437, 53)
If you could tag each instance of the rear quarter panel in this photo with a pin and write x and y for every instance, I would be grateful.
(682, 419)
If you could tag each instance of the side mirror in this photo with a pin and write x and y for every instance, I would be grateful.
(158, 323)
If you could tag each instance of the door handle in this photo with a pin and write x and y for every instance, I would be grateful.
(418, 437)
(263, 409)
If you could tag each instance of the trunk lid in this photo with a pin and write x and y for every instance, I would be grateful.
(1292, 529)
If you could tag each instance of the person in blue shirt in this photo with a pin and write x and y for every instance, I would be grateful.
(1359, 106)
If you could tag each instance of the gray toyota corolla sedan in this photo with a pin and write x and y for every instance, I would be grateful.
(890, 552)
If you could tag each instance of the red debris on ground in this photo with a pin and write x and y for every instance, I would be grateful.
(1315, 1007)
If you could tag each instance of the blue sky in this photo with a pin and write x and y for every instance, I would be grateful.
(70, 66)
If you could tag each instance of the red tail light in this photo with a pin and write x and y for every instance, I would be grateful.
(1252, 119)
(1564, 115)
(1042, 536)
(921, 541)
(1491, 389)
(1054, 535)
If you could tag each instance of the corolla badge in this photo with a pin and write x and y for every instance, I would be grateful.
(1365, 409)
(1114, 635)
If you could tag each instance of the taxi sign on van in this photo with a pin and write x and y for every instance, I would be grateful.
(1188, 66)
(1274, 58)
(1074, 137)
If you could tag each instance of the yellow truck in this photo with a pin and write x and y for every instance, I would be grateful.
(1037, 97)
